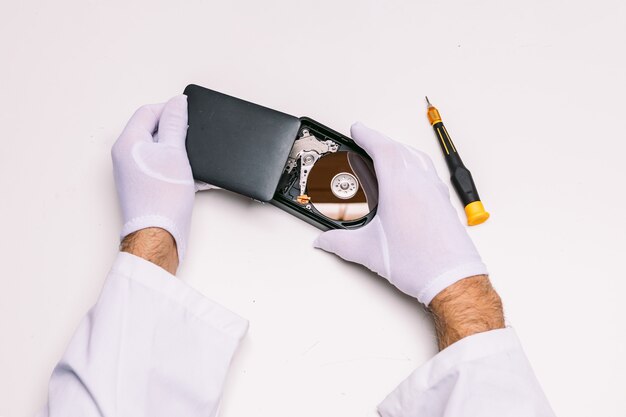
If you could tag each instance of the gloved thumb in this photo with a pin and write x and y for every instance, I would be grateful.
(329, 240)
(361, 246)
(173, 123)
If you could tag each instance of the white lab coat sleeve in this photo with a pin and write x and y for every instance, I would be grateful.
(483, 375)
(151, 346)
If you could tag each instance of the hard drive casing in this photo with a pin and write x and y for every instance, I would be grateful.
(243, 147)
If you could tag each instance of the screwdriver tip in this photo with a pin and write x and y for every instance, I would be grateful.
(428, 101)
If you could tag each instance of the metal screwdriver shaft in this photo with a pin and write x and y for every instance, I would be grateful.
(460, 176)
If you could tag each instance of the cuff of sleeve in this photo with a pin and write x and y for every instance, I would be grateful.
(159, 280)
(406, 396)
(448, 278)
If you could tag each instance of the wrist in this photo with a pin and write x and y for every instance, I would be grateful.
(155, 245)
(169, 223)
(467, 307)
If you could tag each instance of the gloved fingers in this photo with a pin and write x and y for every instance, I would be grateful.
(173, 123)
(383, 148)
(368, 139)
(144, 122)
(140, 128)
(364, 170)
(425, 161)
(429, 167)
(388, 155)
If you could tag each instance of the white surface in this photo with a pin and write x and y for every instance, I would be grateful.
(531, 92)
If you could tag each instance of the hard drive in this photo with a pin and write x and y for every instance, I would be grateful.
(296, 164)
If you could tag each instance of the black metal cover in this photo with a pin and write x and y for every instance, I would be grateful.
(237, 145)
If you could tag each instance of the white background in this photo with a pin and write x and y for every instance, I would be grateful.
(532, 92)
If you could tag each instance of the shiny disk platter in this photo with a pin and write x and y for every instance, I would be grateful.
(328, 180)
(342, 186)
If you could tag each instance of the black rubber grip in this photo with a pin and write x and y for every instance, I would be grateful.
(460, 176)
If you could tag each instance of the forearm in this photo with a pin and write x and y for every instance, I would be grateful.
(481, 369)
(467, 307)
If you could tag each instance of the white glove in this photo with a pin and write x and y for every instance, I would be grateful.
(152, 173)
(415, 240)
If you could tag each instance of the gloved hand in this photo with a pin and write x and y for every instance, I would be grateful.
(416, 239)
(152, 173)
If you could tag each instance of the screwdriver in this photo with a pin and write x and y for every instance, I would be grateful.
(460, 176)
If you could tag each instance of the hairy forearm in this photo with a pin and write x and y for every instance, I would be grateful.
(155, 245)
(469, 306)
